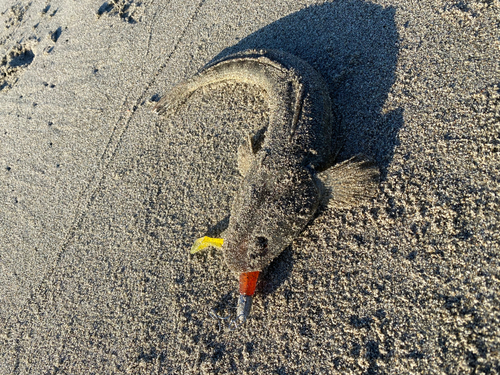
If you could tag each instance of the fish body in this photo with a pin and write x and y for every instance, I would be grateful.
(286, 164)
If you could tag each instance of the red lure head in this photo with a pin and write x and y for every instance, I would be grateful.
(248, 281)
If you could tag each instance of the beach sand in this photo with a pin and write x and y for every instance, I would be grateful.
(100, 199)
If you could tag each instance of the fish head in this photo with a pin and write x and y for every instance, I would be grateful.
(270, 209)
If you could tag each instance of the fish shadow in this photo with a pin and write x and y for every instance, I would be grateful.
(273, 276)
(354, 46)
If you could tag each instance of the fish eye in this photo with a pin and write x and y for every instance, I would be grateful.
(260, 249)
(261, 242)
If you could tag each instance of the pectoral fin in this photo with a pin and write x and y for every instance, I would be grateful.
(248, 149)
(350, 183)
(204, 242)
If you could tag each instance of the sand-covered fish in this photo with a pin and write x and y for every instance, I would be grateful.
(286, 165)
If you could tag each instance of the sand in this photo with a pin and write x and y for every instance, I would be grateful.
(100, 200)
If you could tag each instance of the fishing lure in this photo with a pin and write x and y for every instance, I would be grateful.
(286, 165)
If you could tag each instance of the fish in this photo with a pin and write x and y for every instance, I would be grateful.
(287, 165)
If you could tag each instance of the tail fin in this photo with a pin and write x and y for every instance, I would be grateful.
(171, 102)
(350, 183)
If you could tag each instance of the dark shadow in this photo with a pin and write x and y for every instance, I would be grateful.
(217, 229)
(22, 57)
(278, 271)
(354, 46)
